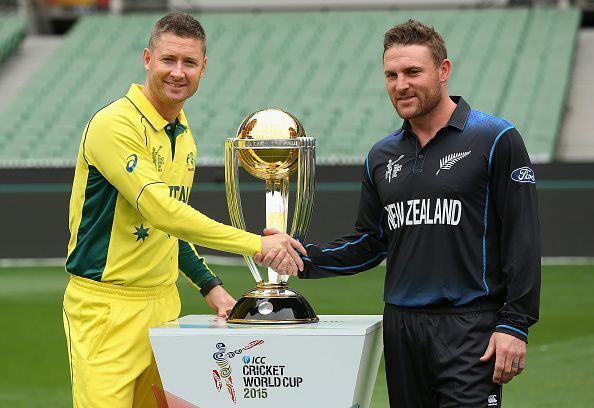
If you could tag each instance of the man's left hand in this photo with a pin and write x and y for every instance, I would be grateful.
(510, 356)
(220, 301)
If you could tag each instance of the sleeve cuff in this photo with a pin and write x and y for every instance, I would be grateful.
(512, 331)
(304, 273)
(211, 284)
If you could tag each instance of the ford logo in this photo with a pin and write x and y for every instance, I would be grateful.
(523, 175)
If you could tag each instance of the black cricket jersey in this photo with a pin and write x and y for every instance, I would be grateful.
(456, 220)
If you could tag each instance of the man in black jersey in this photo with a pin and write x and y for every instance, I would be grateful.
(449, 200)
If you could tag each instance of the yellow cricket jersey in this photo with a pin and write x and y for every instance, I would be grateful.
(129, 218)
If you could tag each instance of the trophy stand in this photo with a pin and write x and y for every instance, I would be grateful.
(271, 145)
(277, 206)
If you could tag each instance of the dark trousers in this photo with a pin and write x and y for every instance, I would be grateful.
(432, 357)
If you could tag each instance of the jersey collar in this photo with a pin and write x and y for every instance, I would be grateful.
(148, 110)
(460, 114)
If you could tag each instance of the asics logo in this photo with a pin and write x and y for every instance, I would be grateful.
(131, 162)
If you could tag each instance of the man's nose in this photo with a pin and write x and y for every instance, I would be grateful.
(177, 71)
(401, 84)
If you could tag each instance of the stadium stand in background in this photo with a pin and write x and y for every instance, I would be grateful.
(529, 61)
(323, 67)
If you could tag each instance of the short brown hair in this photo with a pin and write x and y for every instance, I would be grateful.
(182, 25)
(415, 32)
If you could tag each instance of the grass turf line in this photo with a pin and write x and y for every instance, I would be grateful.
(560, 354)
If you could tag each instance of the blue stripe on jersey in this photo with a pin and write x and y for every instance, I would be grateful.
(487, 208)
(347, 244)
(368, 173)
(379, 224)
(505, 326)
(345, 268)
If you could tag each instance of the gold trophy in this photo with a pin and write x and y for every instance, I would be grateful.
(271, 145)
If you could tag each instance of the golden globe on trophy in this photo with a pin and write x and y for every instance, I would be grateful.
(271, 145)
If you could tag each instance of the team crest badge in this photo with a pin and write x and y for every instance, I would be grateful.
(191, 161)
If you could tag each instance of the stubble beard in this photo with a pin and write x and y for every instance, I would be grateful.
(426, 105)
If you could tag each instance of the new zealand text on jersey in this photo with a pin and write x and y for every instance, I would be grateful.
(424, 211)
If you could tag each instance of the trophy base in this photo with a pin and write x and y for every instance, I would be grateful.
(272, 303)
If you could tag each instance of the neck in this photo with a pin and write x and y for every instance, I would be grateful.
(426, 126)
(169, 113)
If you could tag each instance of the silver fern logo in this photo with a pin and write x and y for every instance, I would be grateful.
(447, 162)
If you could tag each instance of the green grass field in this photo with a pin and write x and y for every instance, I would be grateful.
(560, 364)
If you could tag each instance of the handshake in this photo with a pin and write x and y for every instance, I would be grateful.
(279, 252)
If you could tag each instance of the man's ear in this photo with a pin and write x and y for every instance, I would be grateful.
(445, 69)
(146, 58)
(204, 66)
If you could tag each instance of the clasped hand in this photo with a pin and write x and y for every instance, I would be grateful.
(279, 252)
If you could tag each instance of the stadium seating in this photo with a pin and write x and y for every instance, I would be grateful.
(325, 67)
(12, 32)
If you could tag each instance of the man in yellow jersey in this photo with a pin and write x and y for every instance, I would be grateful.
(131, 226)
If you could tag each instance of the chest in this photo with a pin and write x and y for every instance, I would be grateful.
(174, 162)
(448, 168)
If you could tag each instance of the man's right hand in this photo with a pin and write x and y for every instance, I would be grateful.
(282, 248)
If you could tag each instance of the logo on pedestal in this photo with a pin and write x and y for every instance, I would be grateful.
(222, 357)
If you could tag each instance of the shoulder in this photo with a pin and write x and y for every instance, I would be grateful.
(118, 111)
(118, 119)
(486, 123)
(387, 145)
(117, 123)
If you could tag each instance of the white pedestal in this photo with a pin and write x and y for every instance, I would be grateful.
(212, 364)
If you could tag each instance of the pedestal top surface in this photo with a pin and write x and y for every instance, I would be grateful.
(329, 325)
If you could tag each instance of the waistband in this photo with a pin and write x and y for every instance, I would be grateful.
(477, 305)
(121, 292)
